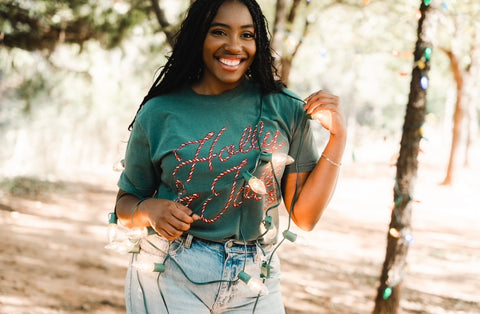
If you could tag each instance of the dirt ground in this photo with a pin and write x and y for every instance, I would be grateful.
(53, 235)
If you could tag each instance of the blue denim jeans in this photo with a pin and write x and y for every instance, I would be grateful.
(200, 278)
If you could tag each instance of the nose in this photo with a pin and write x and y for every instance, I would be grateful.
(233, 45)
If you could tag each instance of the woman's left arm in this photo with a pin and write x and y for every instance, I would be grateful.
(314, 189)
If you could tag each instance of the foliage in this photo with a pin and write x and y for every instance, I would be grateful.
(30, 187)
(65, 104)
(42, 25)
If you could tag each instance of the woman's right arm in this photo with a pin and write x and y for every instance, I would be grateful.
(168, 218)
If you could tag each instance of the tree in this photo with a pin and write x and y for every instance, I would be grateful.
(399, 235)
(285, 45)
(42, 25)
(466, 78)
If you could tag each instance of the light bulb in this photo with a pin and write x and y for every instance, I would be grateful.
(149, 267)
(418, 15)
(282, 159)
(122, 247)
(387, 293)
(424, 82)
(428, 53)
(136, 234)
(277, 158)
(268, 229)
(112, 232)
(255, 183)
(394, 232)
(119, 166)
(112, 229)
(324, 115)
(421, 64)
(255, 284)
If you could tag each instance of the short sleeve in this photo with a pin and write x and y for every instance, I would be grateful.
(139, 176)
(303, 146)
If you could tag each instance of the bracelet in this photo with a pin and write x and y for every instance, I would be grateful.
(136, 207)
(336, 164)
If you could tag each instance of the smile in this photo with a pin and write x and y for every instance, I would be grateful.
(230, 62)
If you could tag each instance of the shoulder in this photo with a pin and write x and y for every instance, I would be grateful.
(285, 98)
(159, 105)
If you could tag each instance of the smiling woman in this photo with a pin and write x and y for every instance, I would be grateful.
(209, 162)
(228, 50)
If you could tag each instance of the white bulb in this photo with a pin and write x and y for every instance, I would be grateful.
(123, 247)
(257, 185)
(281, 159)
(271, 234)
(119, 166)
(149, 267)
(143, 266)
(112, 232)
(137, 233)
(257, 286)
(254, 284)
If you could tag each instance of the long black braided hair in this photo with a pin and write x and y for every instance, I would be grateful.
(185, 64)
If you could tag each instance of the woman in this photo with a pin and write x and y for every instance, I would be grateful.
(199, 171)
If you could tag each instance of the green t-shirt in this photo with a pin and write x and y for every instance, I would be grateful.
(194, 149)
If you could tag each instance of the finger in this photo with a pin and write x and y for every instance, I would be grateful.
(196, 217)
(167, 235)
(178, 225)
(320, 94)
(323, 102)
(321, 107)
(170, 232)
(183, 213)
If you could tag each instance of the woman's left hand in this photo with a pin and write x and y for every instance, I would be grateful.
(326, 108)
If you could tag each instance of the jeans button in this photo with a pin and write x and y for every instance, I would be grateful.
(230, 243)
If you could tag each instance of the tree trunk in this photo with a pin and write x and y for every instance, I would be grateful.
(399, 236)
(284, 20)
(457, 116)
(471, 84)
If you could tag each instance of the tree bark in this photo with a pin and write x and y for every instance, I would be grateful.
(167, 28)
(399, 237)
(283, 24)
(457, 116)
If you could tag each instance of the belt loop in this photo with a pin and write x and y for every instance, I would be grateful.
(188, 241)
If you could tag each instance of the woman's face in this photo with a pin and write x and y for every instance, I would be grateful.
(228, 50)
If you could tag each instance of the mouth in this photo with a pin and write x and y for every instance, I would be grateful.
(230, 62)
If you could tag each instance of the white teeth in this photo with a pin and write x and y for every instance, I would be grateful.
(230, 62)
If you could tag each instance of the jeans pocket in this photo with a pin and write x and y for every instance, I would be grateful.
(155, 249)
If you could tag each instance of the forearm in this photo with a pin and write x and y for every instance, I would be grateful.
(318, 187)
(127, 210)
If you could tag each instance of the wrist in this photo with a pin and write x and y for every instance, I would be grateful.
(139, 217)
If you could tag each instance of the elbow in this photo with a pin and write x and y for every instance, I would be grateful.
(306, 225)
(308, 222)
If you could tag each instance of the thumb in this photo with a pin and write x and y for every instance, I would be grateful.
(195, 217)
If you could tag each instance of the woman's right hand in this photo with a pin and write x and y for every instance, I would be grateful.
(168, 218)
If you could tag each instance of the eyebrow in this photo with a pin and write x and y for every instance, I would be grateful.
(228, 26)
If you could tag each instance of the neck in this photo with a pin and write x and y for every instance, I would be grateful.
(203, 88)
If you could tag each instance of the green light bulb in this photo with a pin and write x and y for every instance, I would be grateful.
(428, 53)
(387, 293)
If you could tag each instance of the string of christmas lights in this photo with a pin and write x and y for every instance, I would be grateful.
(130, 242)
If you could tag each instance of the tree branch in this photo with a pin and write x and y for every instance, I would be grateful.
(164, 24)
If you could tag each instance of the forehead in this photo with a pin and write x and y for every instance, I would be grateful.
(233, 13)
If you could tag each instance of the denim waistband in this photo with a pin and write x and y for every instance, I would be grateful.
(228, 243)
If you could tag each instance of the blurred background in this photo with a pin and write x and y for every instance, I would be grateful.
(73, 73)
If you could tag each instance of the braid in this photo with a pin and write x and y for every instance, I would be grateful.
(185, 64)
